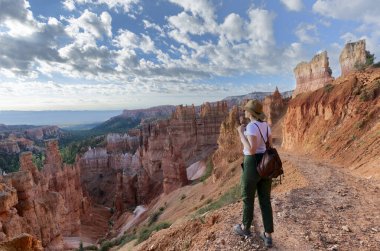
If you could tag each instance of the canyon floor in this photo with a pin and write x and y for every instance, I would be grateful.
(318, 206)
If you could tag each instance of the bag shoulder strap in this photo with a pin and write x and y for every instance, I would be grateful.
(266, 142)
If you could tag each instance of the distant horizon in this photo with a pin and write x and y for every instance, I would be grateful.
(63, 118)
(137, 108)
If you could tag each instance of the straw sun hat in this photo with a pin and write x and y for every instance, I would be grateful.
(255, 108)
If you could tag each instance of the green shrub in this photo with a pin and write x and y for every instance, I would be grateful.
(92, 247)
(9, 163)
(154, 217)
(208, 172)
(112, 210)
(38, 159)
(328, 88)
(106, 245)
(81, 246)
(231, 196)
(183, 196)
(367, 95)
(146, 232)
(361, 124)
(370, 58)
(125, 238)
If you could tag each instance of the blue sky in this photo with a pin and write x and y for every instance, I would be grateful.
(126, 54)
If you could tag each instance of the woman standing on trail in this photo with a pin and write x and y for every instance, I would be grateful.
(252, 137)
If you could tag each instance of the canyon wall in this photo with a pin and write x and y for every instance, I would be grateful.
(341, 123)
(352, 56)
(152, 160)
(313, 75)
(46, 204)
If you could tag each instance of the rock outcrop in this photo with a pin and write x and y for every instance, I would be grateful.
(46, 204)
(352, 56)
(313, 75)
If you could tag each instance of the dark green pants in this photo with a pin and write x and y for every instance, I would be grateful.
(250, 182)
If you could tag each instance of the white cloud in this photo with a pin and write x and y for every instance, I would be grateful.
(125, 5)
(200, 9)
(129, 40)
(364, 11)
(307, 33)
(293, 5)
(69, 5)
(149, 25)
(90, 23)
(186, 23)
(260, 30)
(233, 27)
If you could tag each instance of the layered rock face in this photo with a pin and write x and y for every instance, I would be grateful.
(153, 112)
(122, 142)
(24, 242)
(353, 55)
(46, 204)
(9, 146)
(313, 75)
(41, 133)
(274, 106)
(341, 123)
(165, 149)
(229, 145)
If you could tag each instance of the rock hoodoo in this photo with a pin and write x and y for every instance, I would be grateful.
(352, 56)
(274, 106)
(313, 75)
(46, 204)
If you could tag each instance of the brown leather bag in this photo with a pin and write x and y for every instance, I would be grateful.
(271, 164)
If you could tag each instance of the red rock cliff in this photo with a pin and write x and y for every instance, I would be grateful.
(340, 123)
(313, 75)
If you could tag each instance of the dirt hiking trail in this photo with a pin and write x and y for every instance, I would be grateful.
(319, 206)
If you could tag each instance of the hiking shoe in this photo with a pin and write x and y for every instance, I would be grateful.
(240, 231)
(267, 240)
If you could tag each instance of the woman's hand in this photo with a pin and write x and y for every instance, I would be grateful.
(240, 129)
